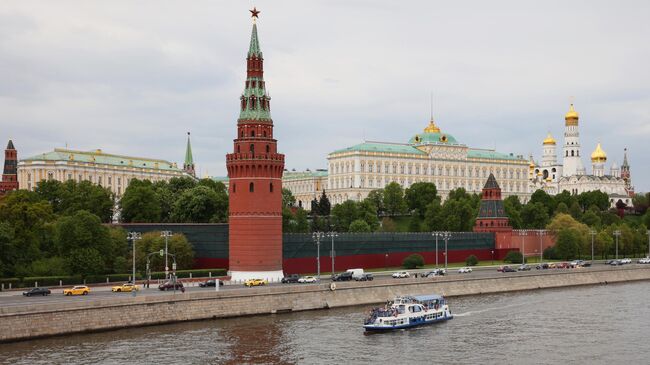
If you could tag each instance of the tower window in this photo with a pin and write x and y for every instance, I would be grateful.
(241, 134)
(268, 149)
(234, 188)
(572, 153)
(264, 133)
(251, 187)
(238, 149)
(271, 187)
(252, 133)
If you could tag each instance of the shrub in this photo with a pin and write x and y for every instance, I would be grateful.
(413, 261)
(549, 253)
(513, 257)
(471, 260)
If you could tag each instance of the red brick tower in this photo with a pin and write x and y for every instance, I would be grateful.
(255, 171)
(10, 172)
(491, 215)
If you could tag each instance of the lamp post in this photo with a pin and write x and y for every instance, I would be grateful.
(166, 234)
(332, 235)
(523, 233)
(133, 236)
(492, 252)
(540, 233)
(438, 235)
(445, 236)
(386, 262)
(593, 234)
(649, 243)
(317, 237)
(617, 234)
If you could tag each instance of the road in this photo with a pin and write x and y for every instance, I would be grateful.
(15, 298)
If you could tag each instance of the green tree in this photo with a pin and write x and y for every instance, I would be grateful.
(565, 197)
(567, 244)
(294, 222)
(419, 195)
(413, 261)
(69, 197)
(595, 197)
(512, 207)
(388, 225)
(432, 216)
(343, 214)
(166, 199)
(471, 260)
(179, 184)
(200, 204)
(51, 266)
(561, 208)
(646, 219)
(513, 257)
(457, 215)
(415, 224)
(603, 243)
(324, 205)
(394, 202)
(541, 197)
(534, 215)
(83, 230)
(288, 200)
(359, 225)
(8, 252)
(140, 203)
(152, 242)
(575, 210)
(376, 197)
(591, 219)
(85, 261)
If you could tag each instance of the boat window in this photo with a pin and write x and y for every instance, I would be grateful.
(401, 309)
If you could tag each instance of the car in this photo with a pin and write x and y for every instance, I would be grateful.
(401, 275)
(523, 267)
(552, 265)
(575, 263)
(255, 282)
(126, 287)
(645, 260)
(171, 285)
(344, 276)
(77, 290)
(434, 272)
(364, 277)
(210, 282)
(615, 263)
(307, 279)
(562, 265)
(586, 263)
(465, 270)
(543, 266)
(37, 291)
(506, 268)
(290, 279)
(626, 261)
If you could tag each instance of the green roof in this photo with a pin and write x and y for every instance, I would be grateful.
(437, 138)
(220, 178)
(189, 160)
(296, 175)
(491, 154)
(382, 147)
(254, 48)
(101, 158)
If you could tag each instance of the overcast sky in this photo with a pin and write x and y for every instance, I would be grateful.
(132, 77)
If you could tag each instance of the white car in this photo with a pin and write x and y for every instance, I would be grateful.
(307, 279)
(626, 261)
(645, 260)
(465, 270)
(401, 274)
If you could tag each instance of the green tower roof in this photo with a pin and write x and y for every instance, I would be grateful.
(189, 160)
(254, 48)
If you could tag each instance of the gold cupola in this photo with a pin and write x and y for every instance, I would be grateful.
(432, 127)
(549, 140)
(571, 117)
(598, 155)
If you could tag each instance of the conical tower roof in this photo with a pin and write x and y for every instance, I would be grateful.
(491, 183)
(254, 48)
(189, 160)
(10, 145)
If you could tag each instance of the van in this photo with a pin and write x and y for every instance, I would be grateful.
(356, 273)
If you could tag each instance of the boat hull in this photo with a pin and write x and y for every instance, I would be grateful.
(384, 328)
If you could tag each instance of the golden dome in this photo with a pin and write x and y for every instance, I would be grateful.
(549, 140)
(432, 128)
(598, 155)
(571, 117)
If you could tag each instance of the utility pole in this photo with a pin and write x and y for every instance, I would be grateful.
(523, 233)
(332, 235)
(593, 234)
(446, 235)
(540, 233)
(317, 237)
(436, 235)
(133, 236)
(649, 243)
(617, 234)
(166, 234)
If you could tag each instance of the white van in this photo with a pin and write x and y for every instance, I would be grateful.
(356, 273)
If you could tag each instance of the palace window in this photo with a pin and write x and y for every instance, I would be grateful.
(119, 181)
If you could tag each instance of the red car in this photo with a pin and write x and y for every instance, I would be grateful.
(562, 265)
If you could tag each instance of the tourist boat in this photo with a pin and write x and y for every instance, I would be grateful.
(408, 311)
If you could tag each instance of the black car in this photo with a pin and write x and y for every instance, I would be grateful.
(364, 277)
(344, 276)
(542, 266)
(434, 272)
(37, 291)
(586, 263)
(290, 279)
(171, 285)
(210, 282)
(508, 269)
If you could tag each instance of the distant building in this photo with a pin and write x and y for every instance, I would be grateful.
(9, 174)
(188, 166)
(492, 216)
(305, 185)
(108, 170)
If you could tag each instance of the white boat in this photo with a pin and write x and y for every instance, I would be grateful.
(408, 311)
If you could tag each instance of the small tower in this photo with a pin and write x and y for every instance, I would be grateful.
(492, 216)
(598, 159)
(626, 175)
(572, 164)
(10, 172)
(188, 166)
(615, 171)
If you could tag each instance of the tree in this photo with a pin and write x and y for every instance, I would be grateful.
(359, 225)
(534, 215)
(388, 225)
(83, 230)
(567, 244)
(7, 250)
(561, 208)
(575, 210)
(324, 205)
(641, 202)
(541, 197)
(85, 261)
(368, 212)
(595, 197)
(200, 204)
(139, 204)
(457, 215)
(419, 195)
(471, 260)
(646, 219)
(288, 200)
(432, 219)
(415, 224)
(513, 257)
(152, 242)
(512, 207)
(343, 214)
(69, 197)
(413, 261)
(377, 198)
(179, 184)
(294, 222)
(603, 243)
(591, 219)
(565, 198)
(564, 221)
(394, 202)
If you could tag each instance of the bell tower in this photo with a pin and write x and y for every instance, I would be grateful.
(10, 172)
(255, 171)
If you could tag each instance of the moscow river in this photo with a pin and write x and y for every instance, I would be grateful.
(607, 324)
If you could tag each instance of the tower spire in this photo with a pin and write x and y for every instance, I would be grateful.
(188, 166)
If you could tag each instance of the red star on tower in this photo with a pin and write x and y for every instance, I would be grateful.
(254, 12)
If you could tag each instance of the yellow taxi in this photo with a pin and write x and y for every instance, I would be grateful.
(126, 287)
(77, 290)
(255, 282)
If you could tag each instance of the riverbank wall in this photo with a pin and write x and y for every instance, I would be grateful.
(51, 319)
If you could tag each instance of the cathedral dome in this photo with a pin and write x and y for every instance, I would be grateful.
(432, 128)
(549, 140)
(571, 117)
(433, 135)
(598, 155)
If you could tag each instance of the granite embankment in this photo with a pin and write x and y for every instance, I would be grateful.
(20, 323)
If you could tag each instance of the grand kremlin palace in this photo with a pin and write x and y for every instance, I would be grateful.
(430, 156)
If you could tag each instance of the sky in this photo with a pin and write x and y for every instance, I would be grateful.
(133, 77)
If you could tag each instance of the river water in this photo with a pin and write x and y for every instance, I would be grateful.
(607, 324)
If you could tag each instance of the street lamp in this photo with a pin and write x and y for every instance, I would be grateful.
(617, 234)
(438, 235)
(446, 235)
(523, 233)
(317, 237)
(133, 236)
(541, 250)
(492, 252)
(386, 262)
(332, 235)
(593, 234)
(166, 234)
(649, 243)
